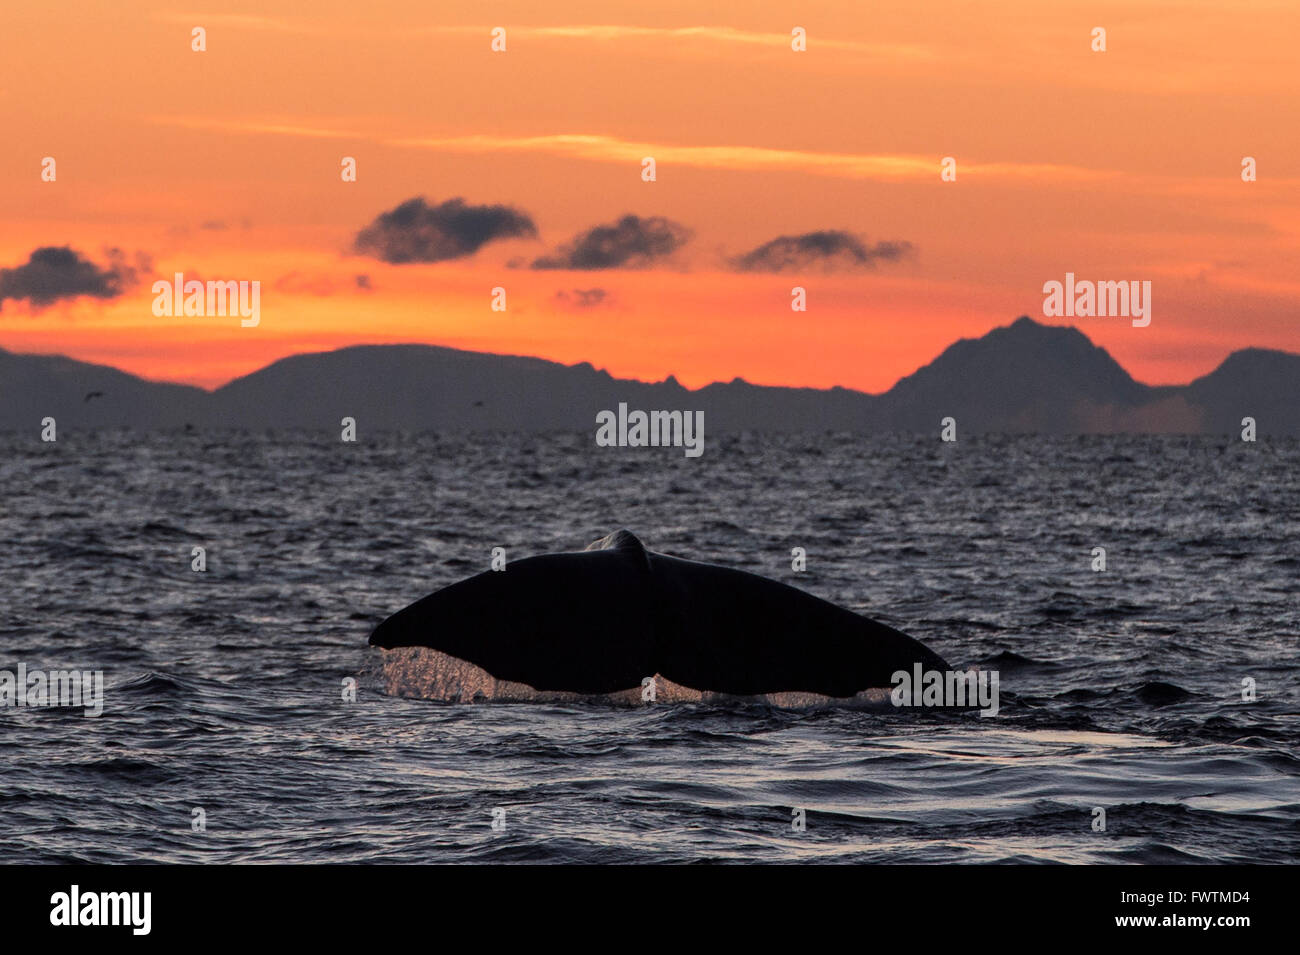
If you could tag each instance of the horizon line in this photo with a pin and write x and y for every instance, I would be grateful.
(671, 376)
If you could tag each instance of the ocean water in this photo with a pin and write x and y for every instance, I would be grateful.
(1120, 690)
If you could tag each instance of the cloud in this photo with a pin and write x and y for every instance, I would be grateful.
(418, 232)
(828, 249)
(582, 297)
(669, 36)
(323, 284)
(52, 273)
(600, 148)
(631, 242)
(877, 167)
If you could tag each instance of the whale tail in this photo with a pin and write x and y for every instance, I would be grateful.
(625, 541)
(603, 619)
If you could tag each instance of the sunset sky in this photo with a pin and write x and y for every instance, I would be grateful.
(225, 164)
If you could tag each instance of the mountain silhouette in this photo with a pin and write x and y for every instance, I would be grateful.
(33, 387)
(1257, 382)
(1025, 377)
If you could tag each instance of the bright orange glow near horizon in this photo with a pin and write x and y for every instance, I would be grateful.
(225, 165)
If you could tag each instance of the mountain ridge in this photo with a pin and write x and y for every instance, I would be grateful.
(1022, 377)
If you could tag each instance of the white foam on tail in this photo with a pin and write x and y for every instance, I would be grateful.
(426, 674)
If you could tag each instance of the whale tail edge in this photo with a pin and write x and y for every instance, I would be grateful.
(622, 540)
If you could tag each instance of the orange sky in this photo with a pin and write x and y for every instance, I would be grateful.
(225, 165)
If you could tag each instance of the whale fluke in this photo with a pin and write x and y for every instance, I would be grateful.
(600, 620)
(623, 540)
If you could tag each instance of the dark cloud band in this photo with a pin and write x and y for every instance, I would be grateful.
(631, 242)
(829, 249)
(582, 297)
(418, 232)
(53, 273)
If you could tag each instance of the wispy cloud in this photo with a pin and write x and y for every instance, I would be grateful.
(612, 32)
(322, 284)
(599, 148)
(582, 298)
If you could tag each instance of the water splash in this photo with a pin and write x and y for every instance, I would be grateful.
(425, 674)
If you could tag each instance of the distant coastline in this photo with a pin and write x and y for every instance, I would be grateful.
(1022, 378)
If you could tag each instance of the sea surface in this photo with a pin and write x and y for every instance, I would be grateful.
(1121, 690)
